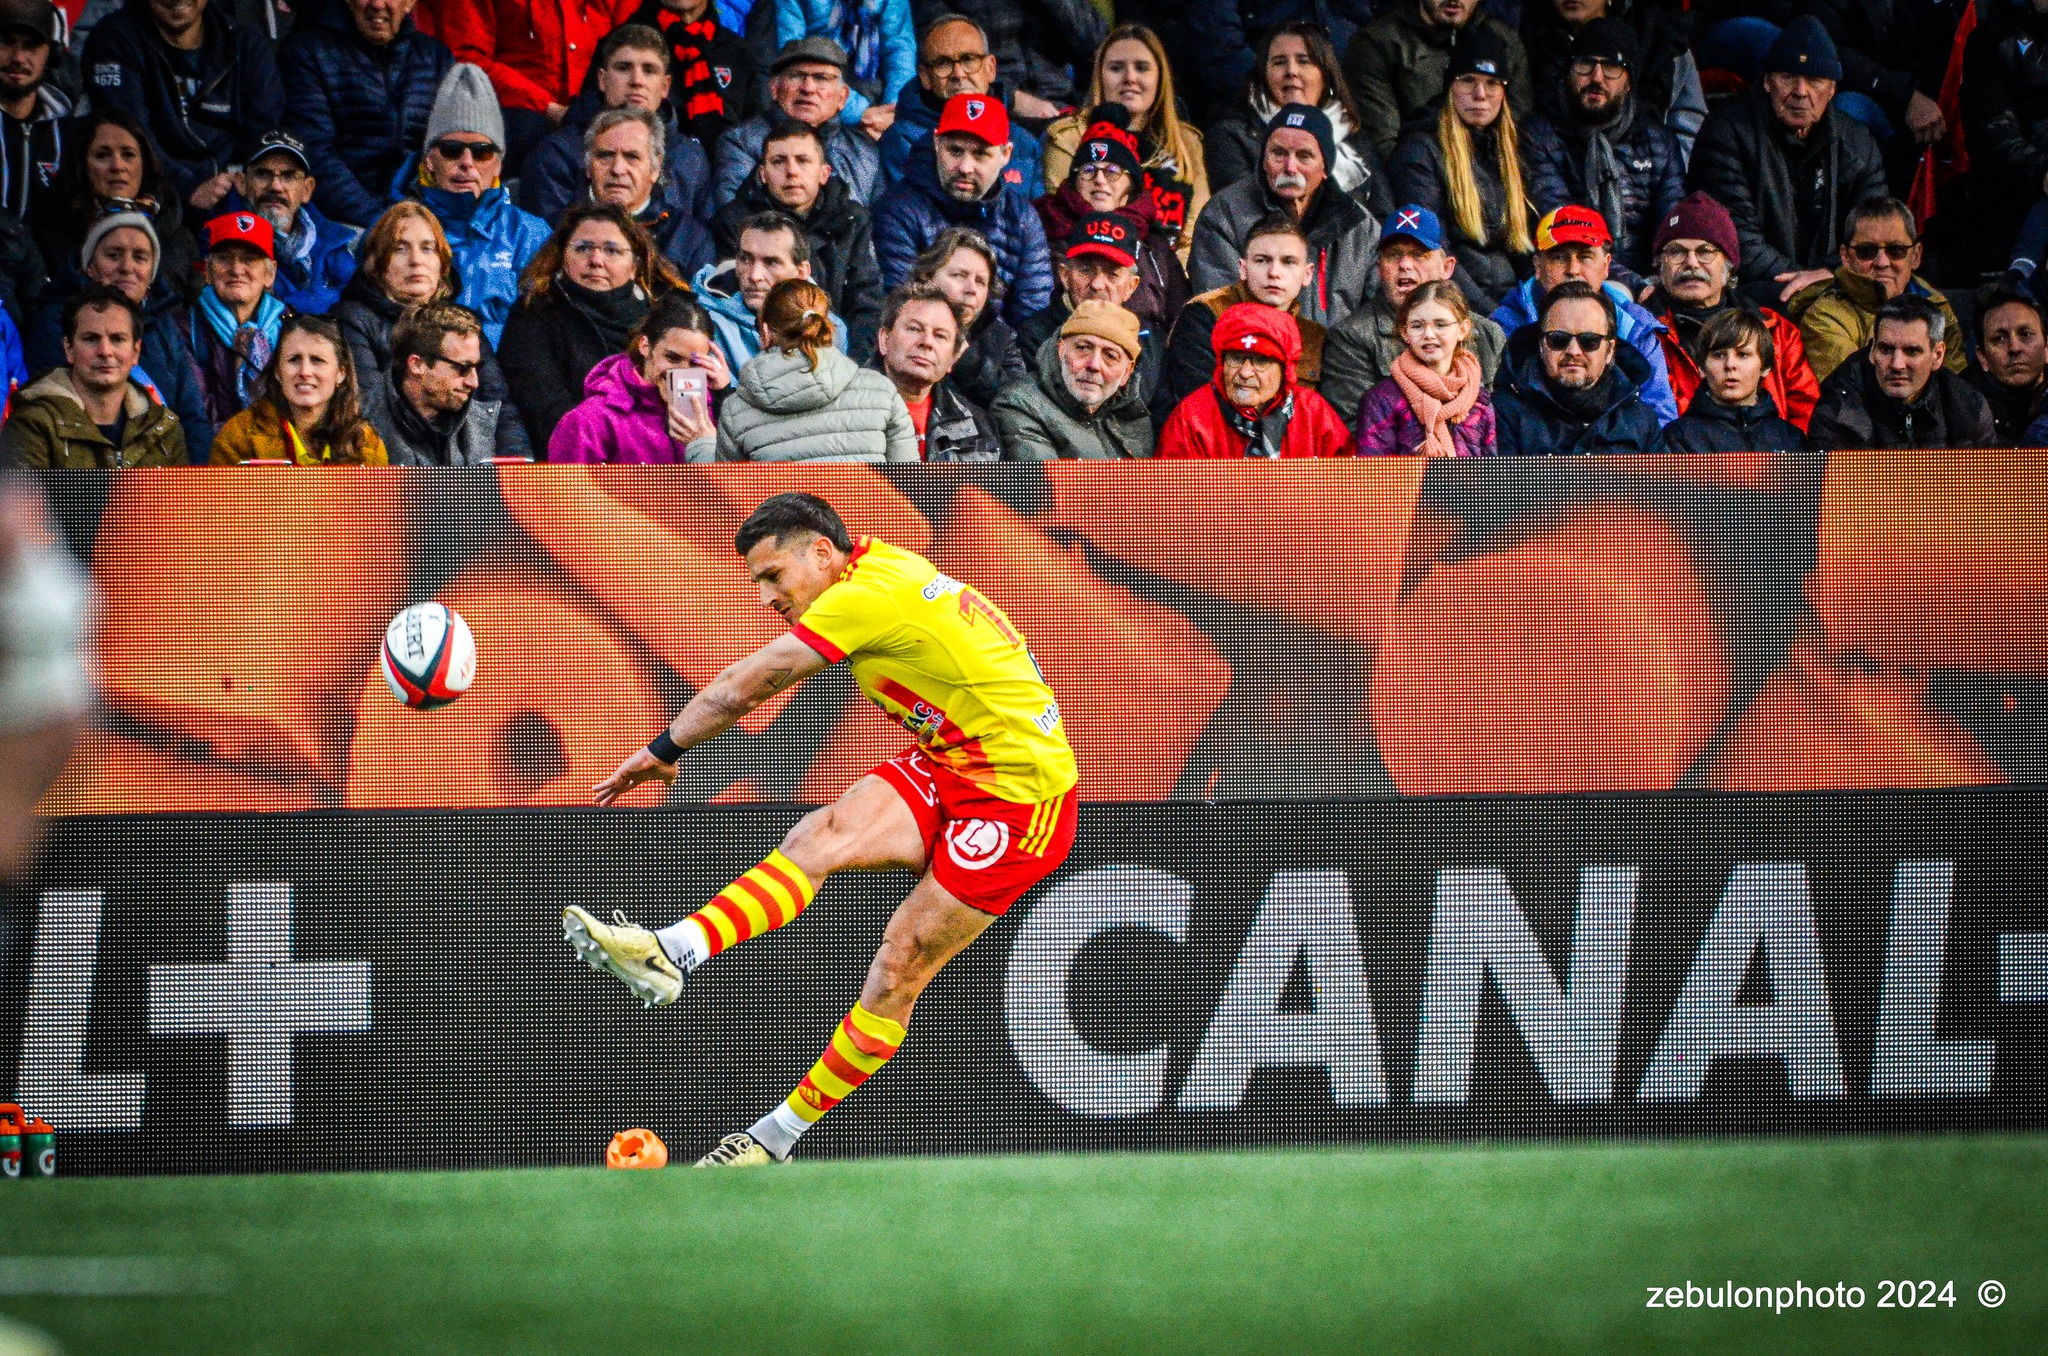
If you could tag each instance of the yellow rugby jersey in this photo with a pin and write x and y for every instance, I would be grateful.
(947, 665)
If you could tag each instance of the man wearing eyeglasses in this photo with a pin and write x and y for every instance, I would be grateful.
(315, 257)
(1880, 259)
(1604, 148)
(1697, 253)
(1568, 385)
(428, 414)
(807, 82)
(457, 179)
(953, 58)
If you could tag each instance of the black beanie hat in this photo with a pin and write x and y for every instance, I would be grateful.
(1303, 118)
(1109, 140)
(1607, 40)
(1476, 51)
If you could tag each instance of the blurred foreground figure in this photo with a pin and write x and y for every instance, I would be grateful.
(45, 693)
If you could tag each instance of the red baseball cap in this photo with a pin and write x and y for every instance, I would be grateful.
(1572, 225)
(242, 228)
(1107, 236)
(978, 115)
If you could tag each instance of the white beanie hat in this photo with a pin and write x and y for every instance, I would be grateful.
(114, 221)
(466, 103)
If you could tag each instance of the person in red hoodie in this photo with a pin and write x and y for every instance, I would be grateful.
(1253, 406)
(536, 52)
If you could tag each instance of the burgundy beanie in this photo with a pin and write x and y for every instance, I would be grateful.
(1699, 217)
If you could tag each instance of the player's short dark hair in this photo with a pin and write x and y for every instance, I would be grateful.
(98, 297)
(782, 515)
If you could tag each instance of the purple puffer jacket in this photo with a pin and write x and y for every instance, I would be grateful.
(622, 420)
(1387, 427)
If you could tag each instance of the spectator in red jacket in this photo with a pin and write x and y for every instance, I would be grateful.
(1697, 254)
(536, 51)
(1254, 406)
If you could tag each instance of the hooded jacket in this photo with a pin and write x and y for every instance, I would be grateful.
(1041, 421)
(311, 282)
(1854, 412)
(1487, 269)
(842, 238)
(1791, 383)
(129, 66)
(1396, 67)
(367, 315)
(1191, 349)
(783, 409)
(1709, 426)
(1638, 330)
(48, 427)
(1201, 426)
(1837, 318)
(1530, 420)
(166, 353)
(483, 430)
(360, 108)
(535, 51)
(717, 289)
(1359, 354)
(553, 176)
(622, 420)
(1162, 282)
(31, 150)
(917, 118)
(910, 215)
(493, 242)
(1343, 243)
(1743, 158)
(1652, 176)
(852, 156)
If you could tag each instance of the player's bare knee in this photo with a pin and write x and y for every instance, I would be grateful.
(820, 841)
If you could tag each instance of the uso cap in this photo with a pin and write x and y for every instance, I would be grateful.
(975, 115)
(1572, 225)
(1107, 236)
(242, 228)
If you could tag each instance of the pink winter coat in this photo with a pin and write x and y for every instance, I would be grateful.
(622, 420)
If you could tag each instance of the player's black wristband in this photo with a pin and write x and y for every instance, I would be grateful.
(664, 748)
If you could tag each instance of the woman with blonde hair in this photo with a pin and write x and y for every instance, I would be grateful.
(1435, 403)
(801, 399)
(1467, 169)
(308, 410)
(1131, 70)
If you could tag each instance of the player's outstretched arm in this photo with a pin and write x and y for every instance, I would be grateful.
(782, 662)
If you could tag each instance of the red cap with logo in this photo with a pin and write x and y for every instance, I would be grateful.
(1109, 236)
(1572, 225)
(242, 228)
(977, 115)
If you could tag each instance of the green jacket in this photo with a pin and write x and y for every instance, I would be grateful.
(49, 429)
(1040, 421)
(1836, 318)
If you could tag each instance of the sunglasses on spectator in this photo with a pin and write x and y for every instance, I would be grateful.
(451, 149)
(459, 369)
(1561, 341)
(945, 66)
(1868, 253)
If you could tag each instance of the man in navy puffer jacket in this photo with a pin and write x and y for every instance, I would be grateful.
(961, 184)
(362, 80)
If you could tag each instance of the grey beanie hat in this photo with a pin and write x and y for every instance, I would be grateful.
(466, 103)
(114, 221)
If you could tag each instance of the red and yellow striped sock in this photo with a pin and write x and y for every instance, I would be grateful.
(764, 899)
(859, 1049)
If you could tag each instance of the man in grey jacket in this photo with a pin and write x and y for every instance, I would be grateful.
(1083, 402)
(426, 411)
(1294, 177)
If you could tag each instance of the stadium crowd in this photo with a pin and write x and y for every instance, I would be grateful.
(438, 232)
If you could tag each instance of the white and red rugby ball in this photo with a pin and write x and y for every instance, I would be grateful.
(429, 656)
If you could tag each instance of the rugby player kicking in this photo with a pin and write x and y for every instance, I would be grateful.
(981, 807)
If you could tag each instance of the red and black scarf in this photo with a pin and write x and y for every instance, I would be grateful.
(703, 92)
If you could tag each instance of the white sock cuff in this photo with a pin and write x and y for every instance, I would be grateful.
(685, 944)
(779, 1130)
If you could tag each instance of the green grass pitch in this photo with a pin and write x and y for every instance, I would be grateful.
(1489, 1248)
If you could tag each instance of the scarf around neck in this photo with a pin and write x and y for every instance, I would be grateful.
(251, 341)
(1438, 401)
(614, 314)
(1264, 434)
(1350, 170)
(1605, 179)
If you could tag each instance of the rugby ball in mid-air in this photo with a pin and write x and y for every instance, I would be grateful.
(429, 656)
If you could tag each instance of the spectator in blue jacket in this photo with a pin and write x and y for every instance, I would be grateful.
(953, 58)
(807, 82)
(961, 184)
(123, 252)
(362, 83)
(881, 53)
(315, 257)
(1608, 152)
(12, 367)
(144, 58)
(457, 178)
(631, 70)
(772, 249)
(1573, 245)
(1568, 386)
